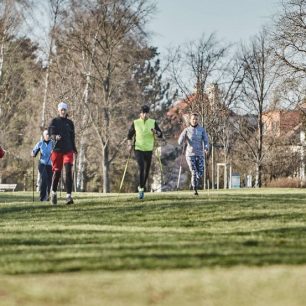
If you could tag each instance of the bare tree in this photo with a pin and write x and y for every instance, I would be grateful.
(261, 76)
(289, 35)
(209, 80)
(106, 41)
(18, 72)
(196, 65)
(11, 16)
(56, 11)
(289, 42)
(10, 19)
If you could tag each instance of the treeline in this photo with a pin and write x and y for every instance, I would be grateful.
(97, 56)
(99, 60)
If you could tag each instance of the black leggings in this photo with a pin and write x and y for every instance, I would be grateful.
(45, 183)
(143, 159)
(57, 175)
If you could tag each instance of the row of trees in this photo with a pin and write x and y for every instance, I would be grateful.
(99, 60)
(96, 55)
(265, 74)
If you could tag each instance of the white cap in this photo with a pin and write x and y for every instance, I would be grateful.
(45, 133)
(62, 105)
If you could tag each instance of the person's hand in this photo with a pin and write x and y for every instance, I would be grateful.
(58, 137)
(154, 131)
(32, 154)
(205, 152)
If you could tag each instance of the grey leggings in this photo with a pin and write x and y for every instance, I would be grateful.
(196, 167)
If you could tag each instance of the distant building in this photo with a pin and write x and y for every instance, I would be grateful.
(285, 128)
(281, 122)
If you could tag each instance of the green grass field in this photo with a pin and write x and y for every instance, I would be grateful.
(235, 247)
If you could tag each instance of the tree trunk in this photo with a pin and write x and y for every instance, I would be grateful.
(1, 64)
(43, 112)
(82, 150)
(105, 169)
(1, 58)
(212, 164)
(106, 119)
(258, 175)
(55, 11)
(80, 183)
(259, 149)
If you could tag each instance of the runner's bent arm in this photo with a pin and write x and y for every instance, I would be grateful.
(157, 131)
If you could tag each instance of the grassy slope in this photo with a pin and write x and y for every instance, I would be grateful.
(247, 239)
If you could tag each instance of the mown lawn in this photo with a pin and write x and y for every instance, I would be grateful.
(214, 247)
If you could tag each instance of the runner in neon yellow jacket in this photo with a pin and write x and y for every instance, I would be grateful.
(142, 131)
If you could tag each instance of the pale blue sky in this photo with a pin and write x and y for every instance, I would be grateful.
(178, 21)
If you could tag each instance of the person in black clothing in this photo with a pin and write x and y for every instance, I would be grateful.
(45, 169)
(61, 130)
(143, 131)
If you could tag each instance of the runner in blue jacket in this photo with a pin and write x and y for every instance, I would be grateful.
(197, 145)
(45, 169)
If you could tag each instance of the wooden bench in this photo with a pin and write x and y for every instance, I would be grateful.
(4, 187)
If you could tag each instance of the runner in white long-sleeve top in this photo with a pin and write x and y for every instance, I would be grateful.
(196, 140)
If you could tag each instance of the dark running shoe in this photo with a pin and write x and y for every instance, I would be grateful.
(69, 200)
(53, 198)
(195, 192)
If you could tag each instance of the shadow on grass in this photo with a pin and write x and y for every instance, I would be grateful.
(156, 260)
(15, 197)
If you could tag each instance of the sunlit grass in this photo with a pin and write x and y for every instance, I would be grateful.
(236, 286)
(235, 230)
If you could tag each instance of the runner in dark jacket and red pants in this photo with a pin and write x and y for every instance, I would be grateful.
(61, 130)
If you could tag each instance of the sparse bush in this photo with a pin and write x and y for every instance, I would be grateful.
(286, 182)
